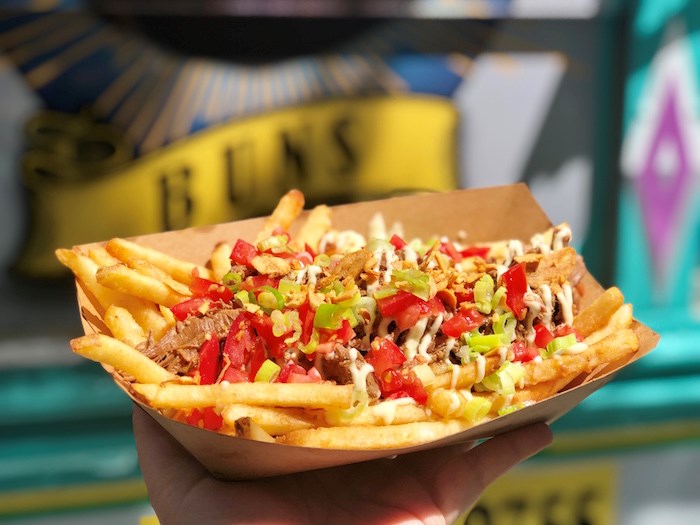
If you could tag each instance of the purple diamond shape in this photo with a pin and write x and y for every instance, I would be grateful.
(664, 180)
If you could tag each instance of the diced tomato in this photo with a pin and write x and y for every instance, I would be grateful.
(403, 381)
(542, 335)
(562, 330)
(257, 358)
(383, 355)
(205, 418)
(306, 315)
(202, 287)
(475, 251)
(406, 308)
(290, 367)
(449, 249)
(255, 282)
(209, 361)
(398, 242)
(243, 252)
(189, 307)
(263, 326)
(465, 320)
(515, 281)
(239, 341)
(523, 352)
(304, 257)
(294, 373)
(235, 375)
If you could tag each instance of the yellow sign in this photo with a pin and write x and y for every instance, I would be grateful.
(338, 150)
(561, 494)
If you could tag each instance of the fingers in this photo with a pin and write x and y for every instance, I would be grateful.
(169, 471)
(461, 481)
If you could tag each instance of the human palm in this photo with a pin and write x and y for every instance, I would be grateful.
(431, 487)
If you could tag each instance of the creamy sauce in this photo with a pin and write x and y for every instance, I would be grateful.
(309, 274)
(455, 377)
(386, 410)
(534, 305)
(513, 250)
(545, 293)
(566, 303)
(480, 368)
(387, 255)
(561, 237)
(345, 241)
(540, 244)
(383, 328)
(503, 354)
(410, 347)
(359, 375)
(427, 338)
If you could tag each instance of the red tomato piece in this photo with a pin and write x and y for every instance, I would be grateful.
(235, 375)
(189, 307)
(475, 251)
(449, 249)
(524, 353)
(398, 242)
(383, 355)
(515, 281)
(562, 330)
(243, 252)
(202, 287)
(205, 418)
(257, 358)
(209, 361)
(395, 381)
(542, 335)
(239, 341)
(465, 320)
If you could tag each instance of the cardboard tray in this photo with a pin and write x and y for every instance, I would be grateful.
(483, 214)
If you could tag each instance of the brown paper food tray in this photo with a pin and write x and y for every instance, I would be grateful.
(483, 214)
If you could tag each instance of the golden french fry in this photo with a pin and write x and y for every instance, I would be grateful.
(85, 270)
(611, 348)
(168, 316)
(597, 314)
(246, 428)
(273, 420)
(221, 260)
(178, 269)
(146, 268)
(101, 256)
(467, 374)
(387, 412)
(287, 210)
(365, 437)
(622, 318)
(312, 395)
(317, 223)
(123, 326)
(128, 281)
(109, 351)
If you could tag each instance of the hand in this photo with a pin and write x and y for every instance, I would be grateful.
(431, 487)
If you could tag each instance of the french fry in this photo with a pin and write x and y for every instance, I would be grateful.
(123, 326)
(101, 256)
(149, 270)
(366, 437)
(311, 395)
(109, 351)
(622, 318)
(128, 281)
(221, 260)
(178, 269)
(596, 315)
(273, 420)
(316, 225)
(285, 213)
(246, 428)
(385, 413)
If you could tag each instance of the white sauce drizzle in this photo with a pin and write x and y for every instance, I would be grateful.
(540, 244)
(455, 377)
(561, 237)
(386, 410)
(427, 338)
(503, 354)
(566, 303)
(359, 375)
(309, 273)
(413, 338)
(480, 368)
(575, 349)
(545, 293)
(383, 328)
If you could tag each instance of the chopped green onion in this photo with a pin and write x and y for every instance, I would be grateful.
(284, 322)
(270, 298)
(483, 293)
(242, 296)
(484, 343)
(369, 305)
(497, 296)
(310, 347)
(352, 301)
(558, 344)
(287, 286)
(232, 281)
(504, 326)
(476, 409)
(510, 409)
(383, 293)
(504, 379)
(412, 280)
(276, 243)
(330, 316)
(267, 372)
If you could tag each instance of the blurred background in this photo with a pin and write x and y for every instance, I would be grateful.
(120, 117)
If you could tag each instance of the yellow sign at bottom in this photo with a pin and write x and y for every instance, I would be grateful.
(561, 494)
